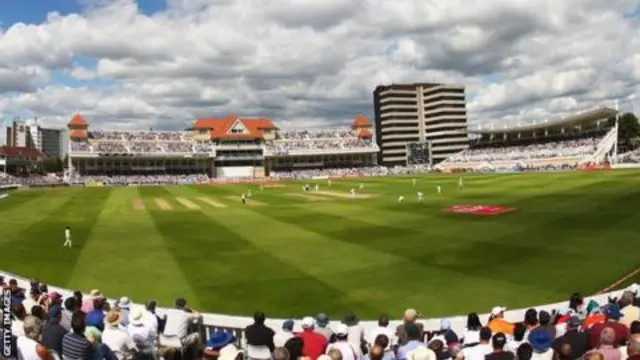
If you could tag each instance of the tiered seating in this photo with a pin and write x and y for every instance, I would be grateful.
(363, 171)
(147, 142)
(632, 157)
(570, 148)
(140, 179)
(301, 140)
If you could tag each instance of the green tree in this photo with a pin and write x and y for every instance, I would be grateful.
(628, 129)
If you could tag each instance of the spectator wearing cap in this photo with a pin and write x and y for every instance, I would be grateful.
(314, 344)
(630, 312)
(259, 338)
(479, 350)
(115, 337)
(612, 317)
(349, 352)
(413, 334)
(607, 347)
(356, 332)
(322, 326)
(281, 337)
(497, 323)
(498, 342)
(144, 337)
(382, 329)
(53, 332)
(633, 348)
(410, 317)
(96, 316)
(124, 304)
(471, 334)
(578, 340)
(177, 330)
(541, 343)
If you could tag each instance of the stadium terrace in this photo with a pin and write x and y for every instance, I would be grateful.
(229, 147)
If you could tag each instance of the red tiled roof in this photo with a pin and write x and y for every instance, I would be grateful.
(78, 134)
(364, 133)
(361, 121)
(15, 151)
(77, 119)
(219, 127)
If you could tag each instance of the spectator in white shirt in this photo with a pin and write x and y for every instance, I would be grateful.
(143, 337)
(281, 337)
(356, 332)
(117, 339)
(382, 329)
(150, 317)
(471, 333)
(35, 298)
(177, 331)
(480, 350)
(322, 326)
(348, 350)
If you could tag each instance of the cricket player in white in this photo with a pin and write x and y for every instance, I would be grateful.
(439, 189)
(460, 183)
(242, 198)
(317, 187)
(67, 237)
(249, 194)
(419, 196)
(361, 186)
(414, 182)
(353, 193)
(400, 199)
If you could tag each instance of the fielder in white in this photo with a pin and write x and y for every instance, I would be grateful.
(353, 193)
(414, 182)
(67, 237)
(400, 199)
(439, 189)
(361, 186)
(249, 194)
(419, 196)
(460, 183)
(317, 187)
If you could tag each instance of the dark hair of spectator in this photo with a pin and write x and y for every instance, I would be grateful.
(531, 317)
(473, 322)
(634, 327)
(38, 311)
(519, 329)
(70, 304)
(77, 322)
(294, 346)
(381, 340)
(259, 317)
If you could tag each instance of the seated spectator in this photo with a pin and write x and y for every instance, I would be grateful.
(356, 332)
(612, 319)
(471, 334)
(630, 312)
(607, 347)
(177, 331)
(410, 317)
(541, 343)
(280, 353)
(95, 317)
(322, 326)
(259, 338)
(382, 329)
(438, 348)
(477, 351)
(578, 340)
(349, 352)
(75, 345)
(519, 331)
(70, 306)
(497, 323)
(19, 314)
(498, 342)
(28, 345)
(524, 352)
(280, 338)
(544, 321)
(295, 347)
(314, 344)
(94, 336)
(142, 336)
(123, 304)
(53, 332)
(115, 337)
(633, 348)
(413, 336)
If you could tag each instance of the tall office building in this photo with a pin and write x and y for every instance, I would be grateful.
(432, 117)
(32, 135)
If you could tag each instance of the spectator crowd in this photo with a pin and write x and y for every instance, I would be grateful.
(47, 326)
(558, 149)
(309, 140)
(346, 172)
(139, 142)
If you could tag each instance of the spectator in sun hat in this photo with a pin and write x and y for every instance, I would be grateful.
(124, 305)
(382, 329)
(410, 316)
(422, 353)
(413, 334)
(480, 350)
(541, 343)
(143, 337)
(322, 326)
(498, 342)
(356, 332)
(497, 323)
(612, 317)
(314, 344)
(115, 337)
(579, 340)
(281, 337)
(349, 352)
(630, 312)
(219, 339)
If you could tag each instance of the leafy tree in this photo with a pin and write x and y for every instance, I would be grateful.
(628, 130)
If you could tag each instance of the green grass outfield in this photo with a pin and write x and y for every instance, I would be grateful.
(292, 256)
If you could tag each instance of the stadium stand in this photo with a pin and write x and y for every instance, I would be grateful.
(607, 323)
(231, 147)
(570, 142)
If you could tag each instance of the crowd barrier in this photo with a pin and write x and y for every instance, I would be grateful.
(236, 324)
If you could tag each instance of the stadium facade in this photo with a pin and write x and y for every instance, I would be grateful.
(421, 113)
(227, 147)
